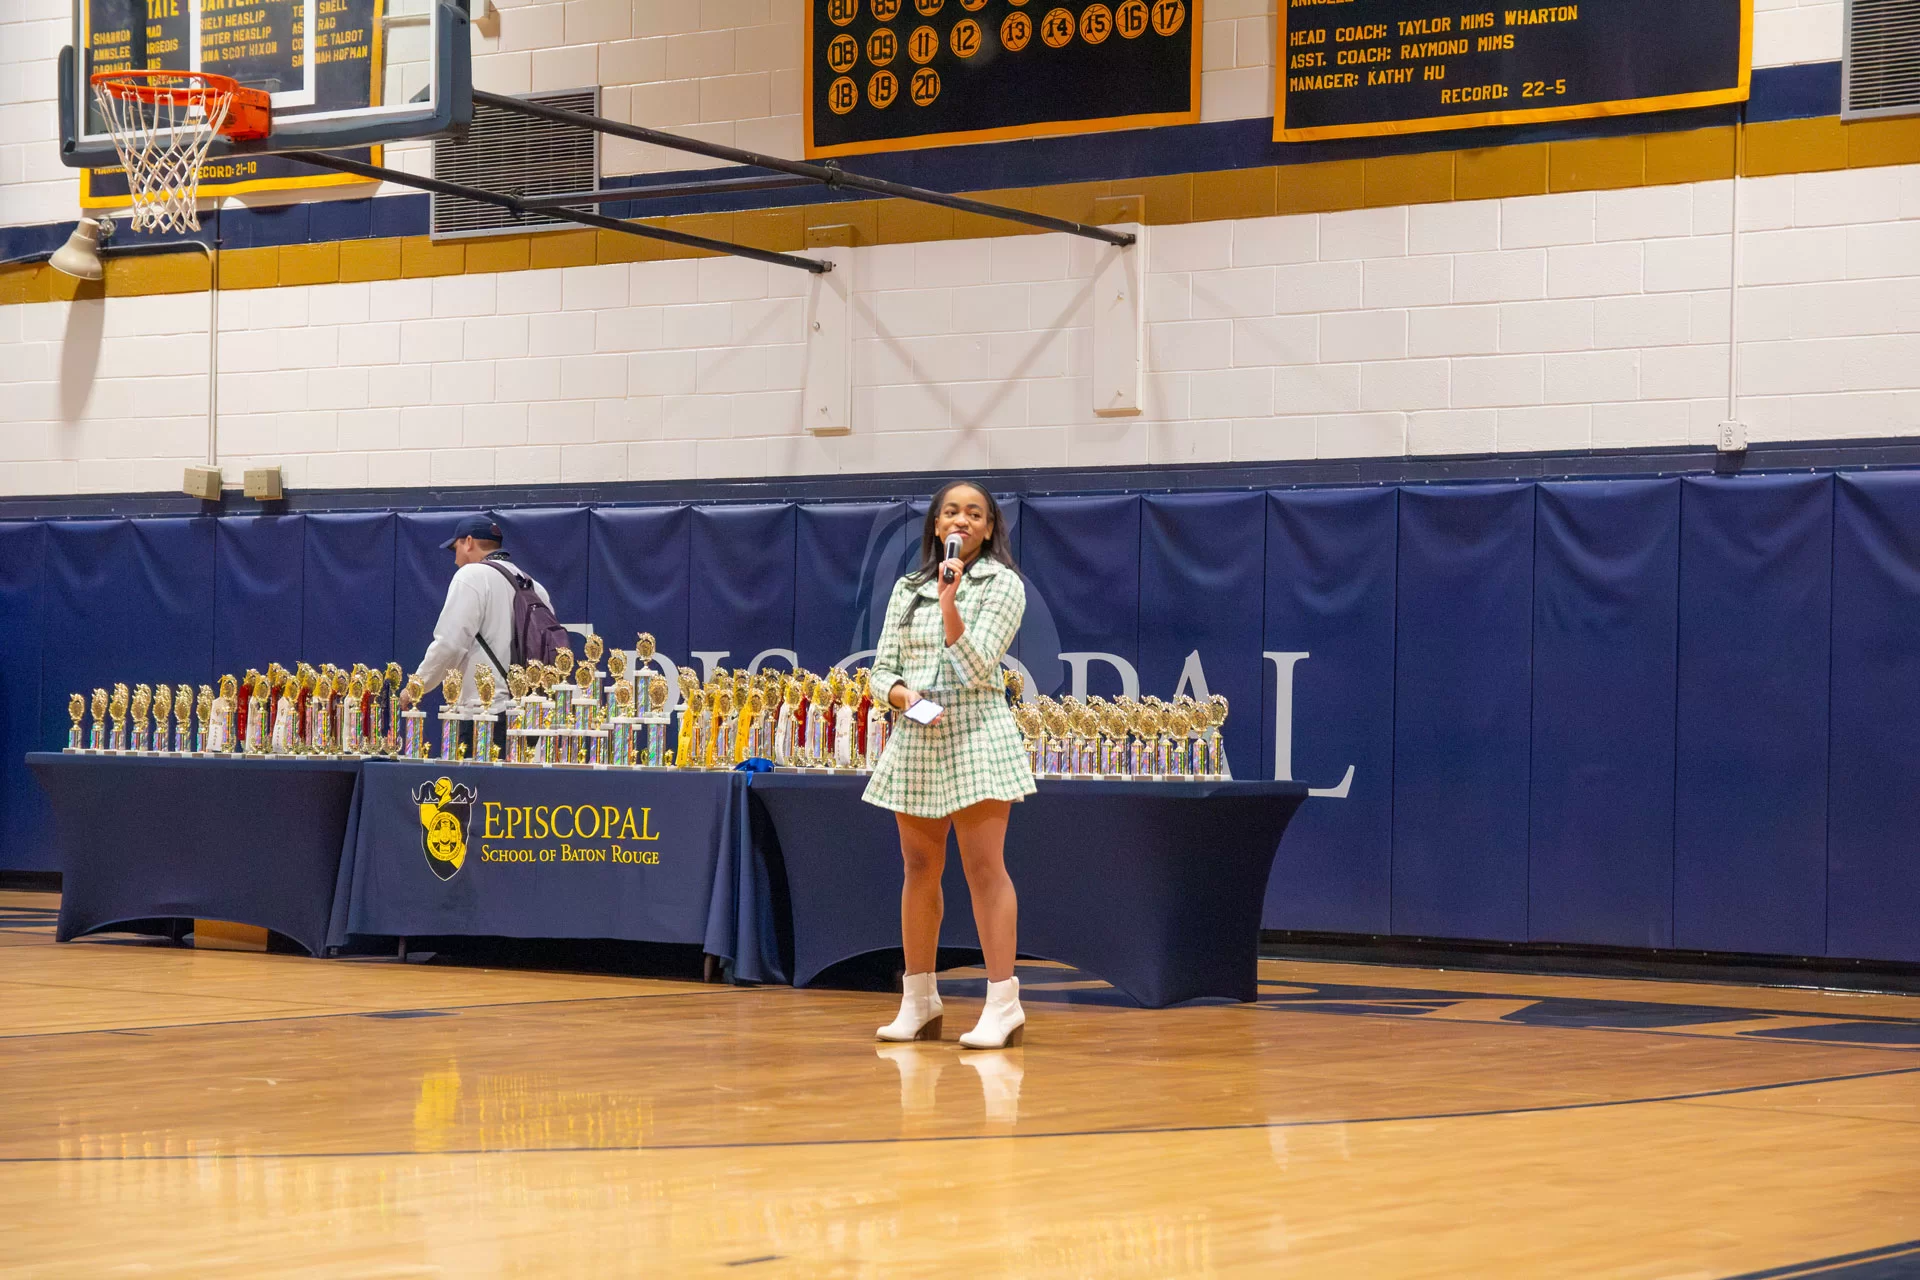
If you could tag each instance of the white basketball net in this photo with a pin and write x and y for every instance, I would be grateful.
(162, 129)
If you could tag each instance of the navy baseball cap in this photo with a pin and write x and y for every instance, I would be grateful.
(481, 527)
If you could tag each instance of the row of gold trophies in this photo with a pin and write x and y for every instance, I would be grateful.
(563, 713)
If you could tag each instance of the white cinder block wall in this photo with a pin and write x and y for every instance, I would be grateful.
(1539, 323)
(724, 70)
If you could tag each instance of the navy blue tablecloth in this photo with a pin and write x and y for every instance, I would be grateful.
(149, 838)
(1155, 886)
(647, 856)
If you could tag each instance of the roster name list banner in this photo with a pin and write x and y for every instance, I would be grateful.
(1361, 68)
(885, 75)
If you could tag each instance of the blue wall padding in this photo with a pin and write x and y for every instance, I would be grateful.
(1461, 722)
(1601, 712)
(258, 574)
(744, 581)
(421, 572)
(347, 613)
(555, 539)
(1207, 551)
(1085, 552)
(1331, 563)
(1750, 818)
(847, 556)
(1606, 573)
(23, 806)
(1873, 820)
(638, 577)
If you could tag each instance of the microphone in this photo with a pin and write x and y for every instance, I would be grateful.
(953, 553)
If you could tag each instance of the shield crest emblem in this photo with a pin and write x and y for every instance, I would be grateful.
(444, 812)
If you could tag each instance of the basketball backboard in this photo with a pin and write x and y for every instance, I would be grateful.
(341, 73)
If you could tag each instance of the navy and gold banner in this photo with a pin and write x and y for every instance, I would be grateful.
(887, 75)
(540, 853)
(261, 44)
(1360, 68)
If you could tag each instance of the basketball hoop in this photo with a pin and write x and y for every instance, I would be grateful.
(162, 124)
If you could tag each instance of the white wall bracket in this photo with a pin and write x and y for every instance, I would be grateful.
(1120, 324)
(827, 402)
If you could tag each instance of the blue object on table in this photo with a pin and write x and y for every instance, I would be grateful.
(642, 855)
(1156, 887)
(144, 839)
(754, 764)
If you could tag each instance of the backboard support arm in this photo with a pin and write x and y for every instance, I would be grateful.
(830, 175)
(520, 208)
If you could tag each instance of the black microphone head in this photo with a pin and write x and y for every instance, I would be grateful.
(954, 543)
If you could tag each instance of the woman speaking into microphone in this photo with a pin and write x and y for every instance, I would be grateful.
(956, 759)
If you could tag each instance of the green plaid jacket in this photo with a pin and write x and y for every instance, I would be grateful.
(975, 752)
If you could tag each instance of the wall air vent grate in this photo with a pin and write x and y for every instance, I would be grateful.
(515, 155)
(1880, 68)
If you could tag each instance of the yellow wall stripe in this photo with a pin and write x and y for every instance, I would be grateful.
(1540, 168)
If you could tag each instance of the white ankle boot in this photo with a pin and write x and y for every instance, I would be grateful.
(919, 1016)
(1001, 1021)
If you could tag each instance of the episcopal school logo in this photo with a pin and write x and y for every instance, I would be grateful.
(445, 810)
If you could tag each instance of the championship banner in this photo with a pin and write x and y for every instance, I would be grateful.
(1361, 68)
(884, 75)
(260, 43)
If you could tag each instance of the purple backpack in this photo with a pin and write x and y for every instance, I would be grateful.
(537, 634)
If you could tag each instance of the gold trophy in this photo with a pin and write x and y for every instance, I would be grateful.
(162, 706)
(1212, 748)
(413, 722)
(117, 708)
(142, 703)
(352, 722)
(620, 725)
(589, 680)
(97, 737)
(182, 711)
(1027, 719)
(76, 707)
(658, 722)
(203, 716)
(450, 716)
(484, 751)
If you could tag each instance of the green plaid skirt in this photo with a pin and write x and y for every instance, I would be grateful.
(974, 753)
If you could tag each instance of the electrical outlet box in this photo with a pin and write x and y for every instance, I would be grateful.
(1732, 437)
(202, 483)
(263, 485)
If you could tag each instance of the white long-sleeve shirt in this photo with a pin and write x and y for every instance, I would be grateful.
(479, 603)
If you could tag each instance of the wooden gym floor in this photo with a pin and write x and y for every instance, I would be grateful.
(171, 1112)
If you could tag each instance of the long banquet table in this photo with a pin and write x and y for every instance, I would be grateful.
(1156, 887)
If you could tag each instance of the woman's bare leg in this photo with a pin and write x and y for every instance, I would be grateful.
(923, 850)
(982, 829)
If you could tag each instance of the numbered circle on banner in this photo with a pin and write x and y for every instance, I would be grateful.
(843, 52)
(843, 95)
(1096, 23)
(1131, 18)
(923, 45)
(965, 39)
(841, 12)
(882, 45)
(928, 8)
(886, 10)
(1015, 30)
(1057, 28)
(1169, 16)
(973, 6)
(925, 87)
(882, 88)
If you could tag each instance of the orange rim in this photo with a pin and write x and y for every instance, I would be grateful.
(138, 85)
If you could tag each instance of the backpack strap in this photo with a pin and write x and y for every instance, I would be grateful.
(519, 584)
(492, 657)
